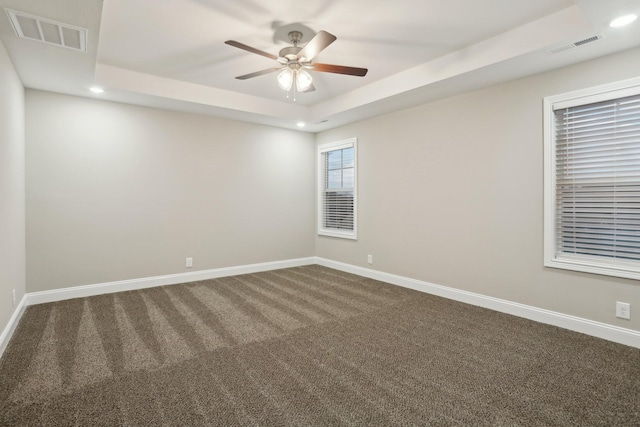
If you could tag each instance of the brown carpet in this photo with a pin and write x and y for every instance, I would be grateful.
(305, 346)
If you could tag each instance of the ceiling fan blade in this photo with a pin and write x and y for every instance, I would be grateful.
(259, 73)
(250, 49)
(340, 69)
(317, 44)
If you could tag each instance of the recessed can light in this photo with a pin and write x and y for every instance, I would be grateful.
(621, 21)
(301, 124)
(96, 89)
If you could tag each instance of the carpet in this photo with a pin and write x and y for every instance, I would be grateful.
(305, 346)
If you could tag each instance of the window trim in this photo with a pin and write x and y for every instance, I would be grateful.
(323, 148)
(605, 92)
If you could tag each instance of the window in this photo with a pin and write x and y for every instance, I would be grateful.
(337, 189)
(592, 180)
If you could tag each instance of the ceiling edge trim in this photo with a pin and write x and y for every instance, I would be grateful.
(148, 84)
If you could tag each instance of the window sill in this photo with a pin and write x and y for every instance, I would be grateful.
(588, 266)
(340, 234)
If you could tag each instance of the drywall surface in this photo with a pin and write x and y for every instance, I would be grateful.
(12, 188)
(451, 193)
(118, 192)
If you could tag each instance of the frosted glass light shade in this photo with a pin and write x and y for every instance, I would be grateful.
(303, 80)
(285, 79)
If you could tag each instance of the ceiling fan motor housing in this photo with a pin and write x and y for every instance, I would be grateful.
(291, 53)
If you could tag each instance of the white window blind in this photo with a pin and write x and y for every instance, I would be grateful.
(337, 190)
(596, 206)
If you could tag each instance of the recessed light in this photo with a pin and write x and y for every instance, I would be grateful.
(301, 124)
(96, 89)
(623, 20)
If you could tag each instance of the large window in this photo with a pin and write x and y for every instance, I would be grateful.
(337, 189)
(592, 180)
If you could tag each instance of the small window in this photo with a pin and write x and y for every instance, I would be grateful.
(592, 180)
(337, 189)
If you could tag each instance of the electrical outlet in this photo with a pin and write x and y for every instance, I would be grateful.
(189, 262)
(370, 259)
(13, 297)
(623, 310)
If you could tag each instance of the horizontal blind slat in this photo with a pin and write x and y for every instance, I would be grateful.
(597, 161)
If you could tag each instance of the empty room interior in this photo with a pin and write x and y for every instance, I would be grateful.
(421, 212)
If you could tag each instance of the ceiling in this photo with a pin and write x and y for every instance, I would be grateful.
(171, 53)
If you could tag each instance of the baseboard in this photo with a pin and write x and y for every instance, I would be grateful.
(150, 282)
(597, 329)
(13, 323)
(605, 331)
(133, 284)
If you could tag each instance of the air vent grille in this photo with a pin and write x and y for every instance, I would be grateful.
(47, 31)
(582, 42)
(587, 40)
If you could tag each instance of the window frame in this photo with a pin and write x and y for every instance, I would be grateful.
(582, 263)
(333, 146)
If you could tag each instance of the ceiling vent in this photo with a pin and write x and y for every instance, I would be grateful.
(47, 31)
(579, 43)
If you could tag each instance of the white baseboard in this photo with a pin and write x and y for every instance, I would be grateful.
(12, 325)
(133, 284)
(605, 331)
(150, 282)
(597, 329)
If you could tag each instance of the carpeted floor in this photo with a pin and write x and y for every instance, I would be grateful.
(305, 346)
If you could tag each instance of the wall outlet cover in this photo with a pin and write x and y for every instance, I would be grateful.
(623, 310)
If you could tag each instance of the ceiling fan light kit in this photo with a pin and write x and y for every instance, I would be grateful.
(302, 79)
(294, 60)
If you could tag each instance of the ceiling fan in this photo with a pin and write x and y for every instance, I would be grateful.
(295, 60)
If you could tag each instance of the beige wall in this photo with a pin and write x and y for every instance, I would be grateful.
(121, 192)
(451, 193)
(12, 190)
